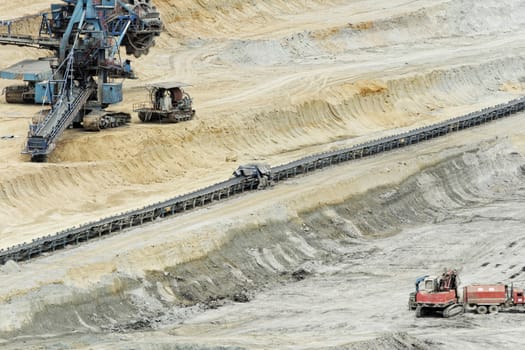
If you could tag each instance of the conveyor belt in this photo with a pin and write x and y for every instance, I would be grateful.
(44, 135)
(239, 185)
(27, 40)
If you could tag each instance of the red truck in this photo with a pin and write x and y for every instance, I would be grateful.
(492, 298)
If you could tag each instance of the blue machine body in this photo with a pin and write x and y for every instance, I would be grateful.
(86, 36)
(44, 91)
(111, 93)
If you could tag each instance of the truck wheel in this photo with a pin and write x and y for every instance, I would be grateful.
(493, 309)
(482, 309)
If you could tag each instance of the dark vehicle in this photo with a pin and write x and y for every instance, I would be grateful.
(168, 103)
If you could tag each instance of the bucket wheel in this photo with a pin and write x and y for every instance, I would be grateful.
(141, 34)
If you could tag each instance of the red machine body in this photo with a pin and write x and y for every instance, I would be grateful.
(438, 295)
(437, 299)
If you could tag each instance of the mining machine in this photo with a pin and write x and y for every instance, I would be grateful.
(79, 80)
(168, 103)
(438, 295)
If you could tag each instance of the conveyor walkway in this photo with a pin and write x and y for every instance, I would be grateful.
(43, 135)
(27, 40)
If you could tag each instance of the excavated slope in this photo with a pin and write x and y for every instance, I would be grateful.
(296, 79)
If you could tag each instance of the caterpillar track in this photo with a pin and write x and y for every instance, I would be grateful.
(243, 183)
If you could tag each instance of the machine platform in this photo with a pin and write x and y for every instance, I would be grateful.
(28, 70)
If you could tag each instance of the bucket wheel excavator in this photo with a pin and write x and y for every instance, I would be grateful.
(79, 80)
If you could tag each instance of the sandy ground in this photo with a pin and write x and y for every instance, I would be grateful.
(273, 81)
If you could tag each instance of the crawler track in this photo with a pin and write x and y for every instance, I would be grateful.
(234, 186)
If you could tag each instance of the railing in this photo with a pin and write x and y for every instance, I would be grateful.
(142, 105)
